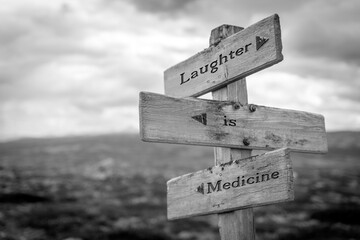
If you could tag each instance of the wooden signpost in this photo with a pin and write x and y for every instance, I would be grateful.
(238, 181)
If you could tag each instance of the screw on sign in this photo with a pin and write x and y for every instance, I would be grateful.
(238, 181)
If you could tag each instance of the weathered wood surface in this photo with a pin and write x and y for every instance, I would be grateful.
(239, 224)
(248, 51)
(228, 124)
(259, 180)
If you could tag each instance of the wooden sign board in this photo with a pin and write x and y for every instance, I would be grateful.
(248, 51)
(250, 182)
(228, 124)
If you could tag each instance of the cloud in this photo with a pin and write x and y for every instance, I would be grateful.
(70, 68)
(63, 65)
(32, 37)
(321, 48)
(161, 6)
(290, 91)
(331, 33)
(58, 118)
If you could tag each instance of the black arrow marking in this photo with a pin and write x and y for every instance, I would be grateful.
(200, 118)
(260, 41)
(200, 189)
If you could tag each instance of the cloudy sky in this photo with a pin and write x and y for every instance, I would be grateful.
(76, 67)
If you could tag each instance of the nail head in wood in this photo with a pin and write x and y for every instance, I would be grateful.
(252, 107)
(237, 106)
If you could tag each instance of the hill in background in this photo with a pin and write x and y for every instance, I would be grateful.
(127, 154)
(114, 187)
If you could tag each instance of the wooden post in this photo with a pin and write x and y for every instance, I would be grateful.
(238, 224)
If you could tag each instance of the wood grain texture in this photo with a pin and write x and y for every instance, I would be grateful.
(256, 181)
(247, 58)
(172, 120)
(239, 224)
(220, 33)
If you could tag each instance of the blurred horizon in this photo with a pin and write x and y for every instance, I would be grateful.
(122, 134)
(69, 68)
(113, 187)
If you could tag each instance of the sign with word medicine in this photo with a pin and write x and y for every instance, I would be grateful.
(255, 181)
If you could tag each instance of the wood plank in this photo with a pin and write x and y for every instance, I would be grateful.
(248, 51)
(256, 181)
(228, 124)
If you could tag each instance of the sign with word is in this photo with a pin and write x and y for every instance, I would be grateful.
(255, 181)
(228, 124)
(248, 51)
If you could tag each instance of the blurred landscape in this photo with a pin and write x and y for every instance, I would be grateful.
(114, 187)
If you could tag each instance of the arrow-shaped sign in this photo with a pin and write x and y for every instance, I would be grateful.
(233, 58)
(259, 180)
(228, 124)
